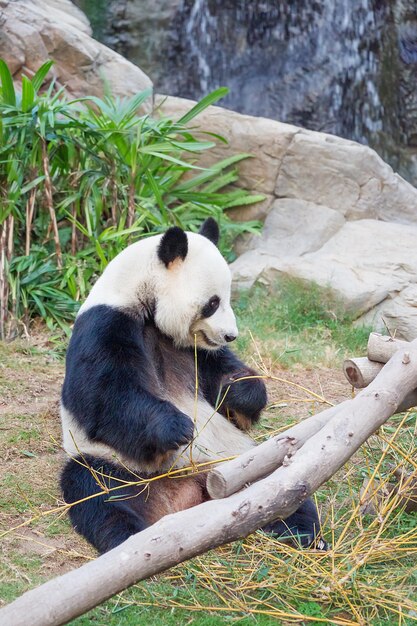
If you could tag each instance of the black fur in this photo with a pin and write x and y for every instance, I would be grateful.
(107, 387)
(302, 528)
(107, 520)
(173, 245)
(218, 372)
(210, 307)
(210, 230)
(118, 366)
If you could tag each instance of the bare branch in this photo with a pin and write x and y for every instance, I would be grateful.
(381, 347)
(360, 371)
(266, 457)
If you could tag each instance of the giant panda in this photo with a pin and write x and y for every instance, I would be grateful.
(129, 406)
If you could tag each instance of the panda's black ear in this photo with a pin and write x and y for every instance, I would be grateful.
(210, 229)
(173, 246)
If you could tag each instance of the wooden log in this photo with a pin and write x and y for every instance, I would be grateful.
(258, 462)
(360, 371)
(176, 538)
(381, 347)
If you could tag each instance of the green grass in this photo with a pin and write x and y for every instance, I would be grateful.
(127, 611)
(297, 322)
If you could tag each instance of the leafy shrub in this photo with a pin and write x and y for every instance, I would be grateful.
(82, 179)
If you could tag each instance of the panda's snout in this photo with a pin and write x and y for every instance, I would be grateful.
(229, 338)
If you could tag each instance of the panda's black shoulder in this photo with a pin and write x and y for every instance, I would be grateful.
(104, 328)
(106, 345)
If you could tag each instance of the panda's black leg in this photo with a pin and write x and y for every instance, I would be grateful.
(302, 528)
(104, 522)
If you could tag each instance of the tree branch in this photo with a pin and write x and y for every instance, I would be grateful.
(360, 371)
(381, 347)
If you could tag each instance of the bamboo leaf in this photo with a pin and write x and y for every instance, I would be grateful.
(157, 192)
(210, 99)
(101, 254)
(40, 75)
(28, 94)
(7, 87)
(33, 183)
(39, 304)
(189, 146)
(245, 200)
(168, 157)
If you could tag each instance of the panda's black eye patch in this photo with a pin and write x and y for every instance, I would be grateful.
(211, 307)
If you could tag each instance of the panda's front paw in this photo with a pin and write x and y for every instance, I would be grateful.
(245, 398)
(176, 431)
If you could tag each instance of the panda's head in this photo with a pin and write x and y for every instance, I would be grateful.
(192, 294)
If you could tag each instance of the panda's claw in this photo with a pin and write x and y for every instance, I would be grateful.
(321, 545)
(176, 433)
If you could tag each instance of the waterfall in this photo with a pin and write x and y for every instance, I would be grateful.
(347, 67)
(310, 63)
(200, 30)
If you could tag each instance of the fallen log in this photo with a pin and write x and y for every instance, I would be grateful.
(176, 538)
(360, 371)
(382, 347)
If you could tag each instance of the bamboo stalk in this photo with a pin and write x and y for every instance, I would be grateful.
(6, 251)
(50, 203)
(30, 210)
(74, 229)
(113, 199)
(131, 204)
(10, 237)
(3, 280)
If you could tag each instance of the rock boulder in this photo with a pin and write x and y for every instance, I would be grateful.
(33, 31)
(336, 214)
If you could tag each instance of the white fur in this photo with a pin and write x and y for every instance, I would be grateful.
(136, 277)
(215, 438)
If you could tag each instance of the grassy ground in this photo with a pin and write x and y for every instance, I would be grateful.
(369, 576)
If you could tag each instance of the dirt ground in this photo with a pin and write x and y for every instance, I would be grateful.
(36, 544)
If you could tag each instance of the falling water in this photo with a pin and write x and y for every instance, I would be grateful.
(347, 67)
(311, 63)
